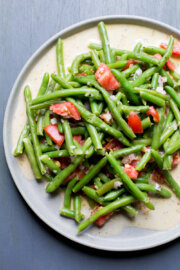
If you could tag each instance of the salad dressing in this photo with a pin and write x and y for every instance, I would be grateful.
(167, 211)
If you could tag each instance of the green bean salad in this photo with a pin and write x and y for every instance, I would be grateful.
(108, 130)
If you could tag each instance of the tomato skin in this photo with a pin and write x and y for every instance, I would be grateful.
(113, 144)
(105, 78)
(130, 62)
(131, 171)
(152, 111)
(101, 220)
(176, 48)
(66, 109)
(135, 123)
(54, 134)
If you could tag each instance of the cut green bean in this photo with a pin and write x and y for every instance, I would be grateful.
(76, 62)
(59, 58)
(105, 42)
(144, 160)
(50, 164)
(20, 145)
(108, 186)
(77, 208)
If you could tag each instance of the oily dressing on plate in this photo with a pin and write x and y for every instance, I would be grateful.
(167, 211)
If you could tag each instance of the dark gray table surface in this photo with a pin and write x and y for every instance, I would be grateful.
(25, 241)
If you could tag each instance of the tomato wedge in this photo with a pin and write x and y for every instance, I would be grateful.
(130, 62)
(152, 111)
(113, 144)
(105, 78)
(54, 134)
(101, 220)
(168, 64)
(131, 171)
(66, 109)
(135, 123)
(176, 48)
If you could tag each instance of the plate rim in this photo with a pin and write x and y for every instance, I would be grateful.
(30, 61)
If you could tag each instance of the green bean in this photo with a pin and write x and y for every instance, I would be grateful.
(107, 186)
(58, 153)
(152, 92)
(168, 120)
(97, 182)
(105, 210)
(58, 180)
(76, 62)
(94, 106)
(154, 50)
(95, 59)
(166, 74)
(20, 145)
(59, 124)
(75, 84)
(176, 111)
(143, 179)
(94, 137)
(154, 82)
(69, 213)
(137, 48)
(62, 82)
(174, 144)
(68, 137)
(127, 151)
(143, 142)
(169, 179)
(33, 128)
(46, 148)
(77, 208)
(45, 105)
(131, 210)
(50, 164)
(144, 76)
(118, 64)
(104, 178)
(91, 193)
(88, 69)
(157, 130)
(152, 188)
(87, 92)
(105, 42)
(130, 70)
(46, 123)
(173, 94)
(91, 174)
(127, 109)
(167, 162)
(91, 149)
(100, 107)
(95, 46)
(168, 53)
(152, 99)
(101, 56)
(168, 132)
(114, 194)
(31, 156)
(175, 75)
(146, 123)
(144, 160)
(128, 89)
(78, 130)
(44, 85)
(95, 121)
(59, 57)
(128, 182)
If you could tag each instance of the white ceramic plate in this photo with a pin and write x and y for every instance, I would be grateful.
(46, 206)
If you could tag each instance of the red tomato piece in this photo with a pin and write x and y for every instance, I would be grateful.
(54, 134)
(176, 48)
(131, 171)
(170, 65)
(152, 111)
(105, 78)
(113, 144)
(101, 220)
(158, 176)
(81, 74)
(130, 62)
(135, 122)
(107, 117)
(176, 160)
(157, 55)
(66, 109)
